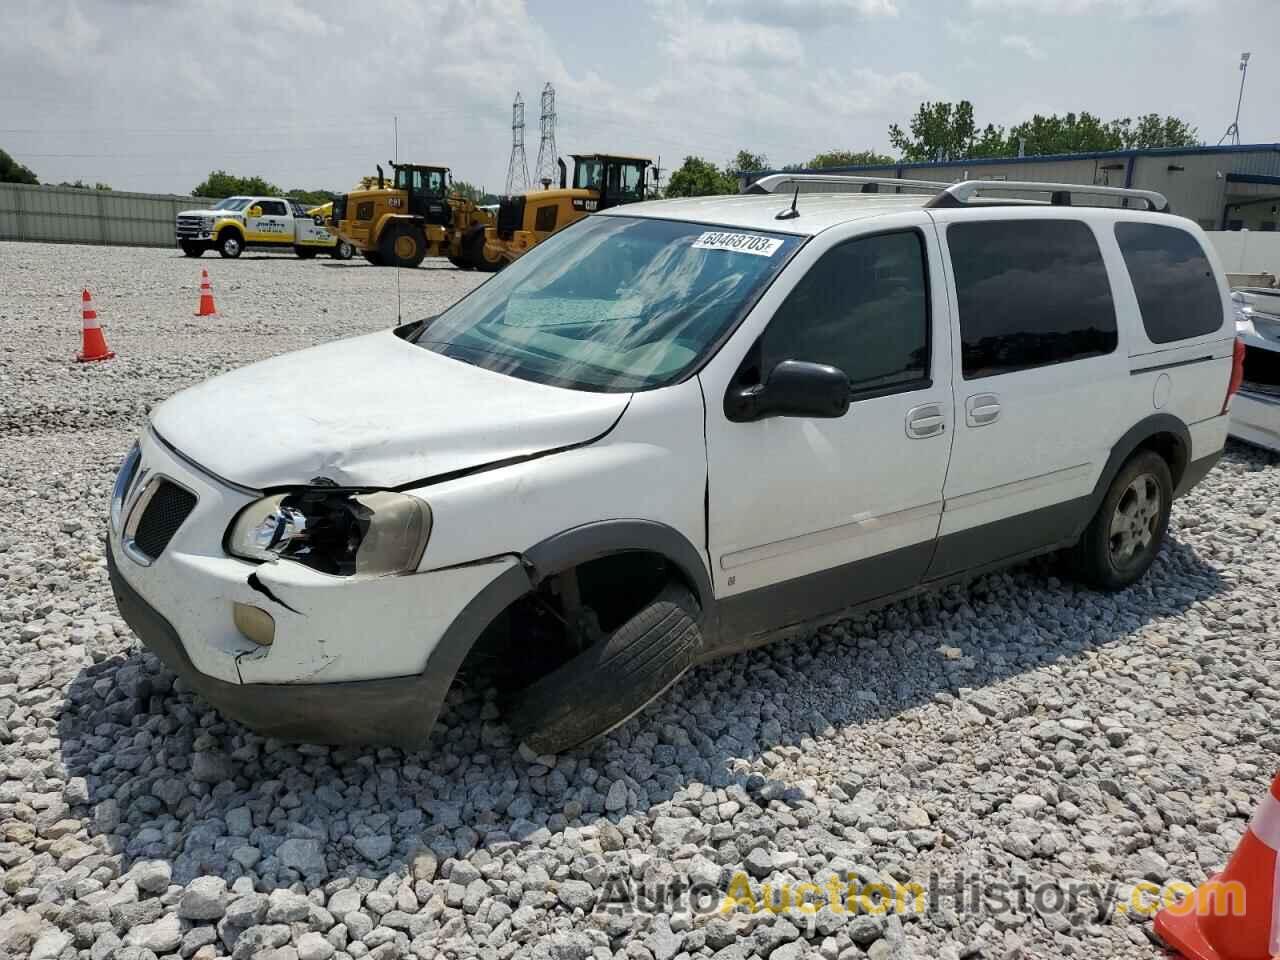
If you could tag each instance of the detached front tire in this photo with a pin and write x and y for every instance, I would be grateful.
(1124, 536)
(613, 679)
(192, 249)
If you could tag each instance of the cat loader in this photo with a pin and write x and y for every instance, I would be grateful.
(600, 181)
(414, 219)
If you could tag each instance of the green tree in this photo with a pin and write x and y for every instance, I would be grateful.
(1153, 130)
(81, 185)
(947, 131)
(847, 158)
(697, 177)
(477, 195)
(221, 184)
(309, 198)
(747, 162)
(1069, 133)
(11, 171)
(941, 131)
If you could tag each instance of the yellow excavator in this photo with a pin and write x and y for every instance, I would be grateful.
(600, 181)
(414, 217)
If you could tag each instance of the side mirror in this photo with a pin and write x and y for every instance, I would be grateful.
(255, 211)
(794, 388)
(319, 220)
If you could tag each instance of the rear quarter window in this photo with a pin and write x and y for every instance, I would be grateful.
(1177, 292)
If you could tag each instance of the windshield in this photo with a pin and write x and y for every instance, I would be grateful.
(611, 304)
(231, 203)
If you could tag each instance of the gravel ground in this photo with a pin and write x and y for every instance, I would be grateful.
(1024, 750)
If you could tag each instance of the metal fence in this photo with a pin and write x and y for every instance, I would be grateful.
(72, 215)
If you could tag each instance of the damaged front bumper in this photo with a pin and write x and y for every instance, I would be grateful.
(366, 661)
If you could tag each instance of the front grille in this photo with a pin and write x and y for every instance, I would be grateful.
(339, 208)
(190, 226)
(168, 508)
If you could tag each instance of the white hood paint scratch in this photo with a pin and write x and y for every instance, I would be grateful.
(372, 411)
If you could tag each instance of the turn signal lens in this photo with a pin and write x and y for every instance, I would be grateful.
(255, 623)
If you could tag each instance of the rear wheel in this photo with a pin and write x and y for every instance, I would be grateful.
(614, 678)
(191, 248)
(402, 245)
(342, 251)
(1124, 536)
(230, 245)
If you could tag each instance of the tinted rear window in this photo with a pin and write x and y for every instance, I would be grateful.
(1031, 293)
(1177, 292)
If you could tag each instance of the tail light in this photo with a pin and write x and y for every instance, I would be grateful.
(1237, 373)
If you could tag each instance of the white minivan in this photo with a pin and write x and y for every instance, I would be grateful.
(671, 432)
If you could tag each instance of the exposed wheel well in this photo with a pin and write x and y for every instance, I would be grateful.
(565, 613)
(1172, 449)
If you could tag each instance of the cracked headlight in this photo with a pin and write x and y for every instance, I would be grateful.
(343, 533)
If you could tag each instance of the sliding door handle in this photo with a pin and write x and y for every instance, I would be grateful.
(982, 409)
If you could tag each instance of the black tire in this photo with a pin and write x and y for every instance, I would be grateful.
(613, 679)
(402, 245)
(304, 253)
(473, 247)
(372, 256)
(342, 251)
(1124, 536)
(230, 244)
(192, 249)
(460, 263)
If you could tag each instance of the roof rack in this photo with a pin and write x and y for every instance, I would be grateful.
(961, 194)
(775, 181)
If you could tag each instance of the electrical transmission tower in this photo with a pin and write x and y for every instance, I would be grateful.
(518, 168)
(547, 148)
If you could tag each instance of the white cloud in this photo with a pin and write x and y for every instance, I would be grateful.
(1129, 9)
(1023, 45)
(802, 13)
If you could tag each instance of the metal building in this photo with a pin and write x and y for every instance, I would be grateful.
(1221, 188)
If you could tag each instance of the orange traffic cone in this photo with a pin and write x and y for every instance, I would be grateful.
(1235, 915)
(94, 343)
(207, 309)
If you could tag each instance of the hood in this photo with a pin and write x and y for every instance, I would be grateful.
(372, 411)
(206, 213)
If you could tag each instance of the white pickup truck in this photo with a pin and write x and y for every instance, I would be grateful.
(233, 224)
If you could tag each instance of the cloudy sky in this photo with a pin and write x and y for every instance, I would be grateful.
(152, 94)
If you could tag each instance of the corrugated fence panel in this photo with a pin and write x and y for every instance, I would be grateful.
(70, 215)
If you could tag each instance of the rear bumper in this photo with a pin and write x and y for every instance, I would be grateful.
(1196, 471)
(400, 711)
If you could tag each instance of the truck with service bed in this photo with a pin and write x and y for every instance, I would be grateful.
(235, 224)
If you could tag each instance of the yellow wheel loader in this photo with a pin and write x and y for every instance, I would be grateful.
(600, 181)
(414, 219)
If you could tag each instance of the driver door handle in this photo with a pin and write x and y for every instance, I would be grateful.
(926, 421)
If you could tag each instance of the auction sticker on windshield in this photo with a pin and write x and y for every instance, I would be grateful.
(738, 243)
